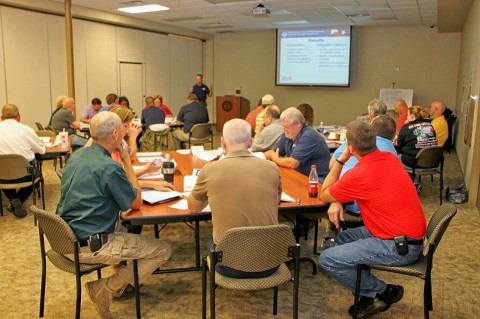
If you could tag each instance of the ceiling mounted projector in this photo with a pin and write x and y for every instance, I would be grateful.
(259, 11)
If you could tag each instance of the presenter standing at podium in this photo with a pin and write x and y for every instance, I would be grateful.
(201, 90)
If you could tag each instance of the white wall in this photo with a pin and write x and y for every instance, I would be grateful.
(33, 62)
(428, 64)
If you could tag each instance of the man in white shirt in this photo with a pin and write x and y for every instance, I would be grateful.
(17, 138)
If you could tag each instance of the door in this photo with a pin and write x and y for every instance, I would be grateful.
(132, 85)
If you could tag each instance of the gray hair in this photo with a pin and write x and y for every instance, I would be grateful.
(273, 111)
(293, 114)
(376, 107)
(103, 124)
(237, 132)
(67, 102)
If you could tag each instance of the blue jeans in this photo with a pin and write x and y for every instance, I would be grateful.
(358, 246)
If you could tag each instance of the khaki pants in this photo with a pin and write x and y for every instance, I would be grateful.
(180, 136)
(150, 253)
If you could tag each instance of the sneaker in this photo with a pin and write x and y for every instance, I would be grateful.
(10, 208)
(18, 209)
(418, 187)
(100, 297)
(393, 294)
(367, 307)
(329, 242)
(124, 292)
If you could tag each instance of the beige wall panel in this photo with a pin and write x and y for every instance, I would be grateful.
(157, 71)
(101, 60)
(208, 76)
(57, 57)
(3, 84)
(428, 64)
(80, 64)
(130, 45)
(27, 63)
(180, 78)
(469, 76)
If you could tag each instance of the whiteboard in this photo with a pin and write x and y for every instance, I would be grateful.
(390, 96)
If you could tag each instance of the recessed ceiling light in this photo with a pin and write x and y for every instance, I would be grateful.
(143, 9)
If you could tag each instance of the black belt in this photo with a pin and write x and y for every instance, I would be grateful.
(95, 241)
(411, 241)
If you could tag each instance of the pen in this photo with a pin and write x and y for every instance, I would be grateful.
(298, 201)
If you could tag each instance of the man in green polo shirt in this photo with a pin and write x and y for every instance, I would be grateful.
(95, 189)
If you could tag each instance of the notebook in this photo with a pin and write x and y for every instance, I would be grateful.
(156, 197)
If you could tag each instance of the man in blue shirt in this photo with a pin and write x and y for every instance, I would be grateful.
(201, 90)
(95, 189)
(300, 146)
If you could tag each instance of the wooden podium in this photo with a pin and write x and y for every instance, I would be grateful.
(231, 107)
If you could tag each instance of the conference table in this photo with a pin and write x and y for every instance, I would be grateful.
(55, 151)
(294, 184)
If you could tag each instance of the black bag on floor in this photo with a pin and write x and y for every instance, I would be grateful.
(457, 193)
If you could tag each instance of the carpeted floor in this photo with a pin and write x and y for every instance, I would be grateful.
(456, 284)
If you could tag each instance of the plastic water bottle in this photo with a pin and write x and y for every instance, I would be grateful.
(321, 128)
(313, 182)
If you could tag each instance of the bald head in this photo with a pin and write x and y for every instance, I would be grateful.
(69, 104)
(400, 106)
(237, 135)
(437, 108)
(103, 124)
(10, 111)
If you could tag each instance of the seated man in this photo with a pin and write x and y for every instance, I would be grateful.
(271, 133)
(112, 100)
(384, 127)
(95, 189)
(300, 147)
(17, 138)
(190, 114)
(439, 123)
(64, 120)
(258, 179)
(390, 209)
(91, 110)
(401, 108)
(152, 114)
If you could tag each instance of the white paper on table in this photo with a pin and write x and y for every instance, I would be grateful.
(183, 205)
(216, 152)
(57, 141)
(84, 126)
(189, 182)
(48, 144)
(149, 154)
(207, 156)
(184, 152)
(287, 198)
(45, 139)
(197, 149)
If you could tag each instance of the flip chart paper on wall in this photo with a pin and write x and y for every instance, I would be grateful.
(390, 96)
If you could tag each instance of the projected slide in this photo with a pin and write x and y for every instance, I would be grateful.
(313, 56)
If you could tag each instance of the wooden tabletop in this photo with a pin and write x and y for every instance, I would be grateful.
(294, 184)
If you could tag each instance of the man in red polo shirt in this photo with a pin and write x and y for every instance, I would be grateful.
(391, 212)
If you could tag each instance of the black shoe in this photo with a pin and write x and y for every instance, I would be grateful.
(18, 209)
(10, 208)
(329, 242)
(367, 307)
(391, 295)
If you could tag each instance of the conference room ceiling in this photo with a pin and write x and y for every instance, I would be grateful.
(222, 16)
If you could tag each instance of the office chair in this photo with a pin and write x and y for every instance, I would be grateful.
(252, 249)
(422, 268)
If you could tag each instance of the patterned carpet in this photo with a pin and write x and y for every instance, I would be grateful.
(455, 280)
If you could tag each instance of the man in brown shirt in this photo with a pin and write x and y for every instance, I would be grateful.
(242, 190)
